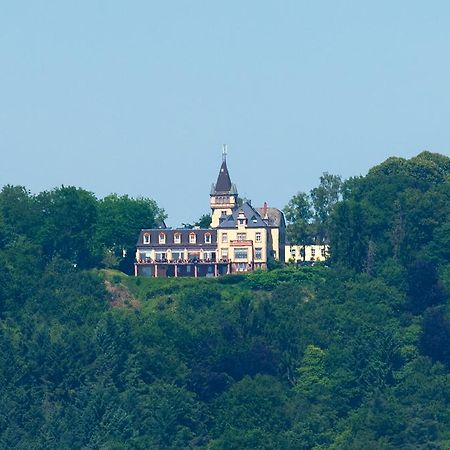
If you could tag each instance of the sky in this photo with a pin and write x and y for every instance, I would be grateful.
(137, 97)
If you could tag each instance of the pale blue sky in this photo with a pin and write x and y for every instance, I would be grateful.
(137, 97)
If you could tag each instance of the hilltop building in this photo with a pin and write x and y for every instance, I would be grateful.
(306, 253)
(241, 238)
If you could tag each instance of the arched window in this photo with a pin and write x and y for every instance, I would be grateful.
(146, 238)
(162, 238)
(207, 238)
(192, 238)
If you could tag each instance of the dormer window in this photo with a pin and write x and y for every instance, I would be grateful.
(177, 238)
(162, 238)
(146, 238)
(242, 220)
(207, 238)
(192, 238)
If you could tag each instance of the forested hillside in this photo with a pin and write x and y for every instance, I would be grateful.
(354, 354)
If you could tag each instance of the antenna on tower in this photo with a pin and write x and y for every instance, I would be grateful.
(224, 152)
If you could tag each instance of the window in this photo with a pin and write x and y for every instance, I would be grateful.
(146, 238)
(177, 238)
(224, 237)
(258, 237)
(224, 253)
(293, 252)
(313, 252)
(207, 238)
(160, 256)
(242, 220)
(240, 253)
(258, 253)
(322, 252)
(162, 238)
(241, 236)
(177, 255)
(224, 213)
(192, 238)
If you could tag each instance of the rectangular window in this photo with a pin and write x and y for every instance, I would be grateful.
(258, 237)
(160, 256)
(240, 253)
(258, 253)
(224, 253)
(313, 252)
(322, 252)
(192, 238)
(146, 239)
(207, 238)
(177, 255)
(177, 238)
(224, 237)
(241, 236)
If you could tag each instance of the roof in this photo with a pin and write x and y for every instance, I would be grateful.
(223, 184)
(183, 232)
(254, 219)
(275, 216)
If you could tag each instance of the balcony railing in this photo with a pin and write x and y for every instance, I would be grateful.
(182, 261)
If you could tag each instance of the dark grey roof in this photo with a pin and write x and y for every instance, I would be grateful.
(254, 219)
(184, 233)
(223, 183)
(275, 216)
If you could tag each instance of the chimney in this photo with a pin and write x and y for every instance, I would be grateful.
(264, 211)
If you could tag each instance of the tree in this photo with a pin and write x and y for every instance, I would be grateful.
(298, 213)
(312, 377)
(19, 210)
(424, 287)
(324, 197)
(204, 221)
(435, 336)
(120, 219)
(68, 224)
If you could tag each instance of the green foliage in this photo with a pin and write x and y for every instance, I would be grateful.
(350, 356)
(120, 219)
(298, 213)
(400, 210)
(309, 215)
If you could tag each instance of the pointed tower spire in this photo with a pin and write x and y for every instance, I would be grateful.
(223, 196)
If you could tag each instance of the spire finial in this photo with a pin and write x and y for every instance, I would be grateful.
(224, 152)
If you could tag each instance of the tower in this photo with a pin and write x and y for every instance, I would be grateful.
(223, 196)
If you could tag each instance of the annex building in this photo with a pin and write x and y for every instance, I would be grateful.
(241, 238)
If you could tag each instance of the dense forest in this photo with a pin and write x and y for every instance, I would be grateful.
(352, 354)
